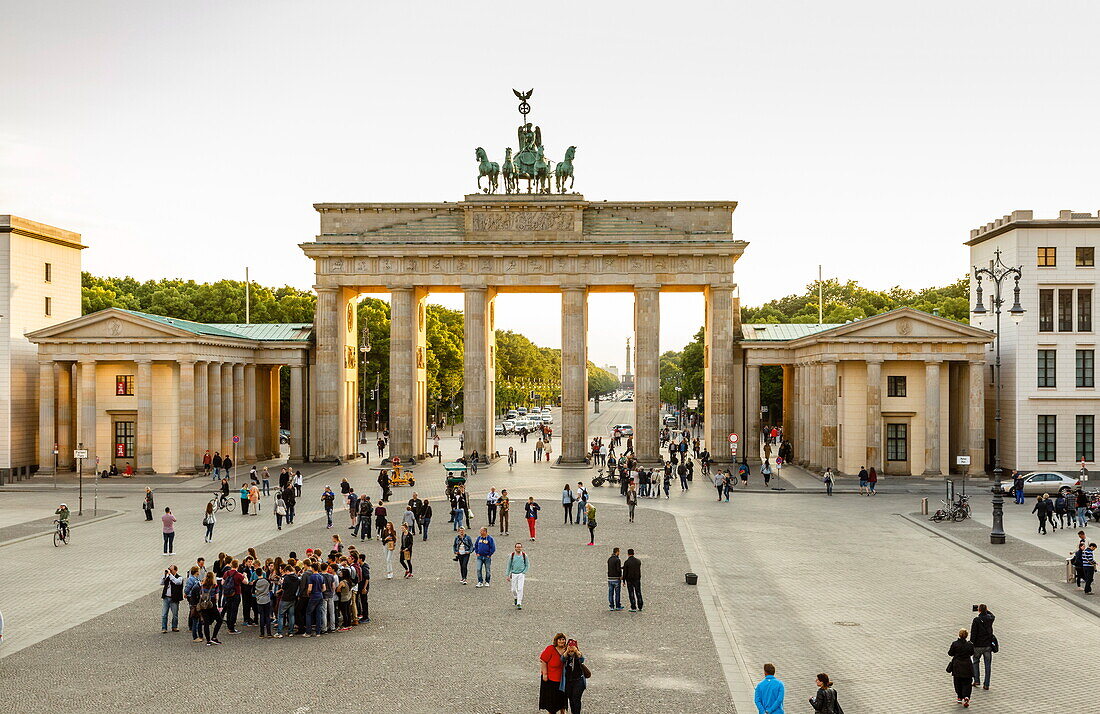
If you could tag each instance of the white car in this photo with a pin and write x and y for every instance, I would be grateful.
(626, 429)
(1050, 482)
(509, 426)
(546, 410)
(547, 418)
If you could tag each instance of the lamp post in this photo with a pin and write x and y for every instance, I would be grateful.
(997, 273)
(679, 410)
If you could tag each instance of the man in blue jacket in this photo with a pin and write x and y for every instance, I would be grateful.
(484, 546)
(769, 693)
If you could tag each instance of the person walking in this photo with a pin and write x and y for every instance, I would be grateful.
(280, 510)
(1081, 503)
(1018, 487)
(1040, 510)
(518, 565)
(407, 549)
(502, 510)
(531, 511)
(590, 519)
(327, 499)
(389, 544)
(551, 665)
(265, 479)
(408, 518)
(962, 668)
(227, 467)
(425, 518)
(462, 546)
(827, 479)
(580, 502)
(567, 504)
(719, 483)
(872, 481)
(298, 483)
(863, 480)
(216, 462)
(826, 700)
(492, 500)
(632, 574)
(484, 547)
(631, 501)
(575, 674)
(171, 593)
(981, 636)
(209, 520)
(769, 692)
(766, 472)
(614, 581)
(168, 530)
(147, 505)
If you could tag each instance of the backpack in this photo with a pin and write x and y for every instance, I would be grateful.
(228, 586)
(205, 602)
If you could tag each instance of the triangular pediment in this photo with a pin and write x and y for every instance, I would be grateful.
(902, 324)
(110, 324)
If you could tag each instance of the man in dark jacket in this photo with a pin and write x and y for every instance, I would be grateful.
(981, 636)
(632, 574)
(614, 581)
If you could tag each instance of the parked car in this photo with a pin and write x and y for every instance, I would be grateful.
(1050, 482)
(509, 426)
(627, 429)
(627, 398)
(546, 410)
(512, 414)
(670, 420)
(522, 411)
(284, 436)
(500, 430)
(547, 418)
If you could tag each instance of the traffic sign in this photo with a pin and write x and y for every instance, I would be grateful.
(733, 438)
(80, 453)
(236, 439)
(962, 460)
(733, 449)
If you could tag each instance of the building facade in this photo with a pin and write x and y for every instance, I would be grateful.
(39, 287)
(1049, 403)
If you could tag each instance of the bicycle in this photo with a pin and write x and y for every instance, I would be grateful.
(957, 511)
(222, 503)
(60, 534)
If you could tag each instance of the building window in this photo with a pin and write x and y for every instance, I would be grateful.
(49, 272)
(124, 439)
(895, 386)
(1047, 368)
(1084, 310)
(1085, 369)
(1065, 311)
(1047, 436)
(1086, 437)
(49, 307)
(1086, 256)
(1046, 311)
(897, 442)
(124, 385)
(1048, 257)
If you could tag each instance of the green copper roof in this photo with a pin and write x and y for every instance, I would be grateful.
(778, 332)
(270, 332)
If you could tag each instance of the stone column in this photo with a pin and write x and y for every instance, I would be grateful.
(186, 417)
(202, 412)
(215, 437)
(800, 413)
(813, 419)
(274, 421)
(88, 412)
(408, 388)
(63, 379)
(297, 410)
(829, 414)
(240, 413)
(478, 402)
(574, 373)
(47, 434)
(932, 418)
(249, 402)
(143, 429)
(718, 400)
(874, 414)
(260, 428)
(228, 409)
(337, 357)
(975, 414)
(788, 400)
(647, 373)
(751, 437)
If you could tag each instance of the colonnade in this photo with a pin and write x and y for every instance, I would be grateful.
(215, 400)
(335, 388)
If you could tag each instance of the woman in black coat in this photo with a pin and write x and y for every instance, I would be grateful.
(962, 667)
(826, 700)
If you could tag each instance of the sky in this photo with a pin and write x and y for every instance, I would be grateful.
(191, 139)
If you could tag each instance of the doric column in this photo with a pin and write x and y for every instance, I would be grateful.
(47, 434)
(215, 439)
(143, 430)
(239, 411)
(228, 409)
(932, 418)
(63, 381)
(752, 434)
(186, 406)
(647, 373)
(479, 371)
(788, 399)
(829, 414)
(249, 401)
(408, 357)
(337, 357)
(722, 332)
(574, 373)
(975, 414)
(800, 414)
(260, 429)
(274, 392)
(813, 420)
(874, 414)
(202, 411)
(297, 410)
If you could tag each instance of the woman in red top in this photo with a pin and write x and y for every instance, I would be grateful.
(551, 695)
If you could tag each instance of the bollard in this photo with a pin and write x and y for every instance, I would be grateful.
(1071, 574)
(924, 506)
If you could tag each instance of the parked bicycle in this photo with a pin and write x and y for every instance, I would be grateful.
(957, 511)
(60, 534)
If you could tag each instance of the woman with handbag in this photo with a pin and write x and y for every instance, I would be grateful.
(961, 667)
(575, 676)
(389, 543)
(209, 520)
(825, 701)
(407, 549)
(280, 510)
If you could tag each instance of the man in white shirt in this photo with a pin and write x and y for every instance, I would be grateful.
(491, 501)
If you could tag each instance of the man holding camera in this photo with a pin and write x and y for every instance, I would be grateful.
(985, 643)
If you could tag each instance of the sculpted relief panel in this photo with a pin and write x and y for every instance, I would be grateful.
(517, 221)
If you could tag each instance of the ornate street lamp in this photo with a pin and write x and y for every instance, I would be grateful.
(997, 273)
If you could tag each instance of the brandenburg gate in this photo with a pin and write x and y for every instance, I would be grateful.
(490, 244)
